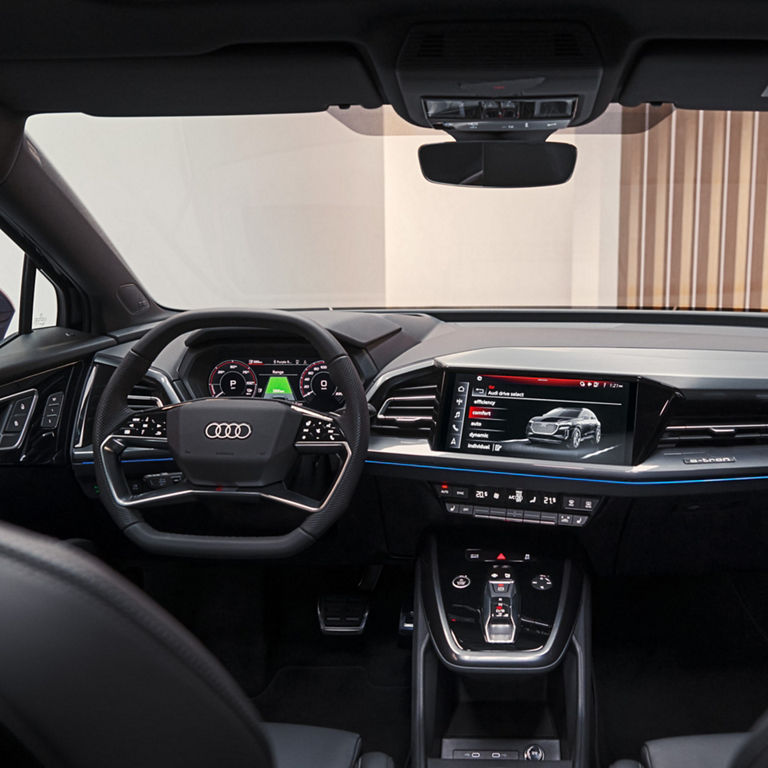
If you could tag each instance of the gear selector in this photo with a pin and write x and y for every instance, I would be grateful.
(501, 608)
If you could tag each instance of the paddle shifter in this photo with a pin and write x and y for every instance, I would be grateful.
(501, 606)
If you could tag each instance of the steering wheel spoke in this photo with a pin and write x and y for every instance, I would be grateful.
(233, 449)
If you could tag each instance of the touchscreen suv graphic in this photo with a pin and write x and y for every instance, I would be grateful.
(566, 426)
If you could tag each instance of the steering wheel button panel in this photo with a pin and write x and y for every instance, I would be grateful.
(319, 430)
(147, 425)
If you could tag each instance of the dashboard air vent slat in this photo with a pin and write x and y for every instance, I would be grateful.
(409, 407)
(714, 434)
(146, 394)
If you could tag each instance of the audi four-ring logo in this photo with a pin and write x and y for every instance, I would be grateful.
(222, 430)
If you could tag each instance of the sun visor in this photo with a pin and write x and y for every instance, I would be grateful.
(700, 75)
(257, 79)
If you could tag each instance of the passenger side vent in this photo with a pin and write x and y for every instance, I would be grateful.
(410, 406)
(692, 435)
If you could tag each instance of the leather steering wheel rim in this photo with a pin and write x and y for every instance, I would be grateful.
(111, 410)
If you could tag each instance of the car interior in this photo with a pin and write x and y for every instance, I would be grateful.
(383, 385)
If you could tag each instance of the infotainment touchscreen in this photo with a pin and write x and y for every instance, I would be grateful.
(544, 417)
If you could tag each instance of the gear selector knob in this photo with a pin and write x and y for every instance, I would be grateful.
(501, 609)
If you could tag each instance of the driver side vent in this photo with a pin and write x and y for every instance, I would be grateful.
(409, 407)
(147, 394)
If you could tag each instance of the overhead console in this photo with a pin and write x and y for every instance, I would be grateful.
(499, 78)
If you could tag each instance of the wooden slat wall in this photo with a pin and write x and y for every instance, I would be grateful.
(693, 211)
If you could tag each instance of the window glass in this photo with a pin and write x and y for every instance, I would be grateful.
(11, 266)
(666, 208)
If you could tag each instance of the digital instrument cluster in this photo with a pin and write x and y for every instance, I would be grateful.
(271, 378)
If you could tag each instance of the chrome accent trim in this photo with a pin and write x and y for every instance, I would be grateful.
(377, 383)
(78, 434)
(430, 402)
(229, 430)
(80, 450)
(107, 452)
(22, 434)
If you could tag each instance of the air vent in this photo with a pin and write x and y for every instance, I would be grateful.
(409, 406)
(146, 394)
(431, 46)
(702, 435)
(503, 46)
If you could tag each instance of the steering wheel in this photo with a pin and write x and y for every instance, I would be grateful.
(230, 448)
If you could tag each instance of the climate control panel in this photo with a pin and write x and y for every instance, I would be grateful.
(516, 505)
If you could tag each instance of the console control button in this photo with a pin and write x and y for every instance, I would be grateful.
(542, 582)
(535, 753)
(22, 406)
(446, 491)
(472, 554)
(15, 424)
(52, 411)
(580, 503)
(144, 425)
(461, 581)
(319, 431)
(484, 754)
(500, 609)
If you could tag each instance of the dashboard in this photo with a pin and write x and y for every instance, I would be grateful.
(516, 420)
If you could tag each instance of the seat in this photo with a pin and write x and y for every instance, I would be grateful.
(724, 750)
(94, 674)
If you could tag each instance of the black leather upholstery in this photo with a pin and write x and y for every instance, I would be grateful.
(302, 746)
(376, 760)
(94, 674)
(708, 751)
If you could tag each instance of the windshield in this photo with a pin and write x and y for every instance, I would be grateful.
(306, 211)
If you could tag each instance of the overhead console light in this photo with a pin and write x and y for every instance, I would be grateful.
(508, 79)
(500, 114)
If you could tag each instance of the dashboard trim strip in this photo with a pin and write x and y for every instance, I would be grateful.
(645, 483)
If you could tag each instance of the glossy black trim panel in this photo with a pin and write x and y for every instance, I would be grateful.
(460, 660)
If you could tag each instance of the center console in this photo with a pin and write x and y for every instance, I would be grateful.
(502, 659)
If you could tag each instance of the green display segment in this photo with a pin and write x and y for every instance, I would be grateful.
(278, 387)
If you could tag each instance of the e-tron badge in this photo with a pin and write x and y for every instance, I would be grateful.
(217, 430)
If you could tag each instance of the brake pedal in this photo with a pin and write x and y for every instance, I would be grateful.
(342, 614)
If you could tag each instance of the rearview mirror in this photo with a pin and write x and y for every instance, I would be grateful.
(497, 163)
